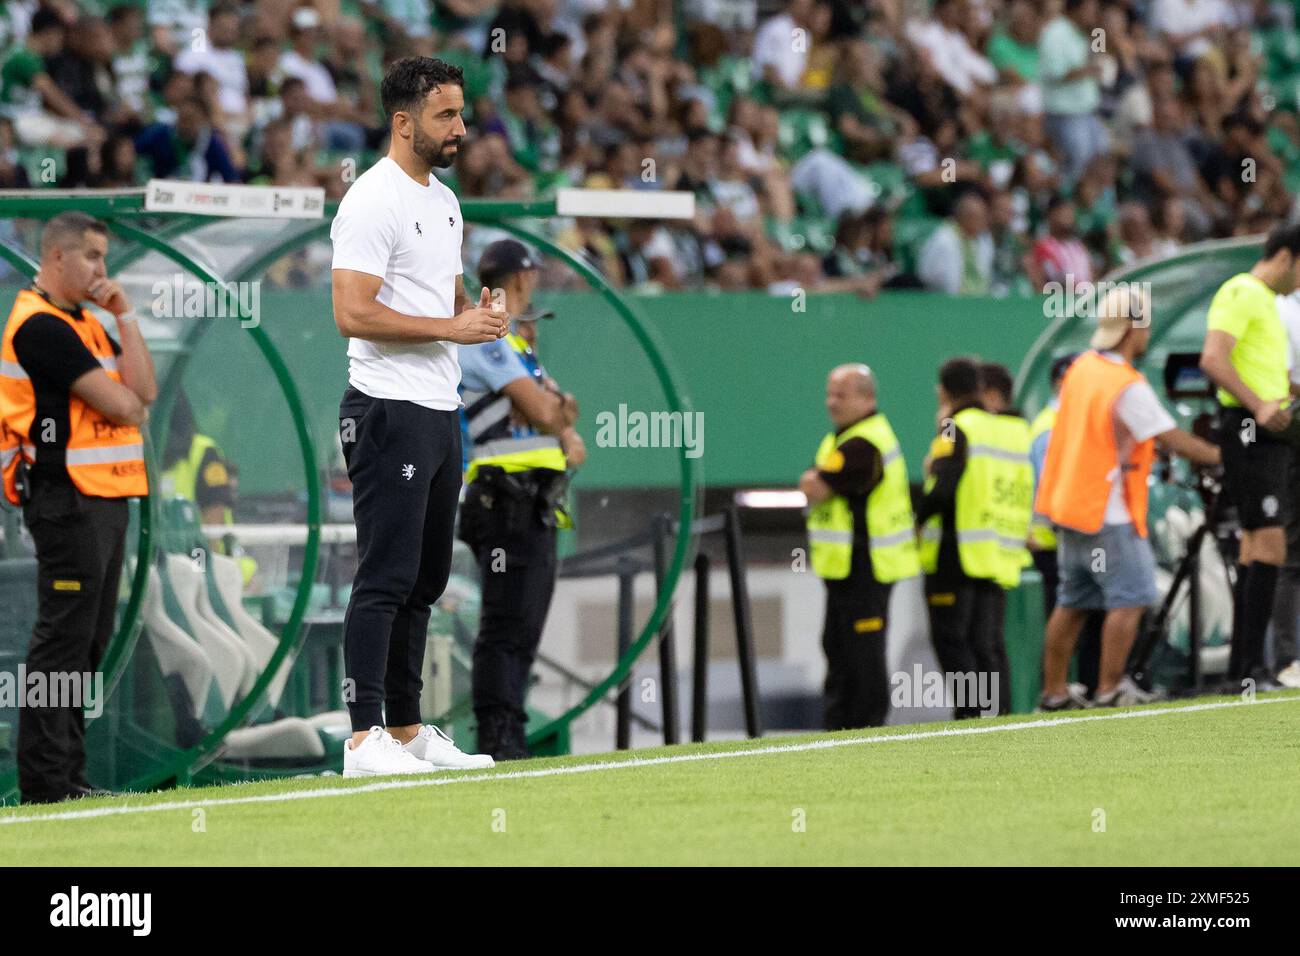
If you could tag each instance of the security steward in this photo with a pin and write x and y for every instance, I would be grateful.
(1246, 354)
(862, 539)
(523, 451)
(974, 517)
(71, 403)
(195, 469)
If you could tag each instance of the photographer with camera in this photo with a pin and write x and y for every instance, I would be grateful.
(1093, 489)
(1246, 354)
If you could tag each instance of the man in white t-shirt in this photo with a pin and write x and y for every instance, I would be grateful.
(400, 300)
(219, 56)
(1286, 599)
(1094, 490)
(781, 46)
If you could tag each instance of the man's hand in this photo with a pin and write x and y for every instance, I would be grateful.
(574, 448)
(480, 324)
(108, 295)
(569, 407)
(814, 487)
(1272, 416)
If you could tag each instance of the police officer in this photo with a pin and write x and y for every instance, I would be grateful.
(862, 539)
(71, 403)
(975, 515)
(523, 448)
(1246, 355)
(1042, 539)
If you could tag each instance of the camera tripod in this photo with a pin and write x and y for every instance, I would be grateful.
(1187, 574)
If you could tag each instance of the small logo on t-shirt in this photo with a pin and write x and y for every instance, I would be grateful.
(418, 231)
(451, 221)
(408, 472)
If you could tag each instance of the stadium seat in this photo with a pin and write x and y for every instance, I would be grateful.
(188, 664)
(183, 663)
(801, 131)
(290, 738)
(910, 235)
(233, 663)
(224, 573)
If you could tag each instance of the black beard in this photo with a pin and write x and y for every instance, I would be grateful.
(435, 156)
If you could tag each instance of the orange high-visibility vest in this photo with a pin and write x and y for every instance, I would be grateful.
(104, 458)
(1082, 455)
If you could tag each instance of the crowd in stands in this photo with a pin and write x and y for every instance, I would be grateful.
(975, 147)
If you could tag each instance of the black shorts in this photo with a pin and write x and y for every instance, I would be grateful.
(1256, 474)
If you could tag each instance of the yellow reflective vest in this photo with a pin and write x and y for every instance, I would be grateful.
(494, 441)
(994, 500)
(891, 527)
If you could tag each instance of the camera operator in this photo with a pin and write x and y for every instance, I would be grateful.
(1246, 354)
(1094, 491)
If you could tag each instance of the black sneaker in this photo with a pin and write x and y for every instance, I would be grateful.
(80, 793)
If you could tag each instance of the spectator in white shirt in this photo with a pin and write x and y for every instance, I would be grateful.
(781, 46)
(958, 256)
(220, 58)
(304, 63)
(1192, 27)
(941, 41)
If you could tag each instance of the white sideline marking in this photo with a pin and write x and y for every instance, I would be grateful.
(633, 762)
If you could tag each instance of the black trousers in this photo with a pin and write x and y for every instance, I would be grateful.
(853, 637)
(79, 547)
(405, 465)
(517, 565)
(966, 628)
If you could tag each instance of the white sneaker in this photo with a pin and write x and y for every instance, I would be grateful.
(431, 745)
(379, 755)
(1076, 698)
(1126, 694)
(1289, 676)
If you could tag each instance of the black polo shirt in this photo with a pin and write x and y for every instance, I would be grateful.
(53, 356)
(854, 474)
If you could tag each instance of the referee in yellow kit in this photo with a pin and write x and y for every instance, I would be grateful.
(1246, 354)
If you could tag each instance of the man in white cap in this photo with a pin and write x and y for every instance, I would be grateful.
(1094, 491)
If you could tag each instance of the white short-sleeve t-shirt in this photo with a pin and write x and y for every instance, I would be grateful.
(388, 225)
(1138, 416)
(1288, 310)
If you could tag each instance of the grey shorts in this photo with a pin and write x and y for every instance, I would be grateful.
(1113, 568)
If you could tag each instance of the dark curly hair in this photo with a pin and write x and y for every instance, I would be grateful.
(410, 79)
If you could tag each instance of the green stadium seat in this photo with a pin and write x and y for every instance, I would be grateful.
(32, 159)
(478, 75)
(910, 234)
(801, 131)
(894, 189)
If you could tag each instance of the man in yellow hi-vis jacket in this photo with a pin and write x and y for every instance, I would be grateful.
(860, 529)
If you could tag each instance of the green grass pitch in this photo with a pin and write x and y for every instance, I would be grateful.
(1171, 786)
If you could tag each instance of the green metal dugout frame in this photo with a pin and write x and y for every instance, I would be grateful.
(117, 209)
(110, 208)
(1032, 387)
